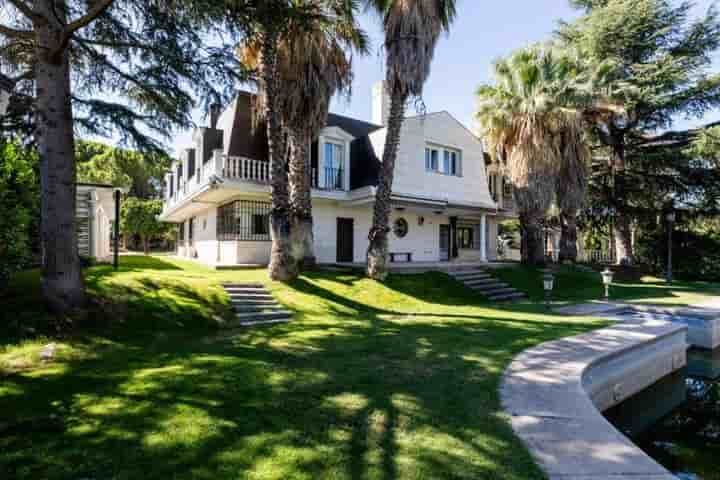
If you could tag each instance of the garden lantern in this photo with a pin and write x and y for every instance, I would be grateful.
(670, 217)
(607, 277)
(548, 283)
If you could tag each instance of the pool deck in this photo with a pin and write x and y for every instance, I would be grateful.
(554, 394)
(702, 319)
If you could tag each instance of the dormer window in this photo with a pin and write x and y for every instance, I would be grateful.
(334, 165)
(443, 160)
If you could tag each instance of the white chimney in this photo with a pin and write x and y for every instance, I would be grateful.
(380, 104)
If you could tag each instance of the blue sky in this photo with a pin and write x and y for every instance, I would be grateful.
(483, 31)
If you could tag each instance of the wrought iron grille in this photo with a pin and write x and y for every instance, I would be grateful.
(244, 220)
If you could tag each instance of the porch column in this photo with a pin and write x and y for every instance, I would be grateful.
(483, 238)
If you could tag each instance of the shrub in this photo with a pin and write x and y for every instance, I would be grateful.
(695, 256)
(19, 201)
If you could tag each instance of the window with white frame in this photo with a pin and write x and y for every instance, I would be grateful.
(334, 164)
(443, 160)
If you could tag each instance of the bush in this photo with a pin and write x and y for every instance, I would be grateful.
(19, 202)
(695, 256)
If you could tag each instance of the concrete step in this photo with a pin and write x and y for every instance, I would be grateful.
(248, 285)
(250, 296)
(482, 281)
(253, 302)
(507, 297)
(259, 308)
(246, 290)
(498, 291)
(486, 287)
(472, 276)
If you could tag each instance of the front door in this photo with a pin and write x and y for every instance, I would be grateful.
(345, 230)
(444, 243)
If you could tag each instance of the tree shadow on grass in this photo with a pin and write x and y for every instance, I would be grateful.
(349, 391)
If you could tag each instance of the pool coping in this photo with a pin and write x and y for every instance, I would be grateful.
(545, 393)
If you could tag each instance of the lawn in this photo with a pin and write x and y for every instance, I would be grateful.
(370, 381)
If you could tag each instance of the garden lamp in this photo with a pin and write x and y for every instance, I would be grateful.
(670, 217)
(607, 277)
(548, 283)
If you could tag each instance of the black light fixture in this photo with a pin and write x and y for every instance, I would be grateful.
(670, 217)
(607, 278)
(548, 284)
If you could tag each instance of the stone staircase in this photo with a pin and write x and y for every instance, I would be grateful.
(481, 281)
(254, 305)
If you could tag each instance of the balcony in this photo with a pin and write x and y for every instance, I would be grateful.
(223, 168)
(238, 170)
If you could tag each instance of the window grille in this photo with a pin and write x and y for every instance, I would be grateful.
(244, 220)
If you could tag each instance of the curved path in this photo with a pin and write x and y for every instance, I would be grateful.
(554, 394)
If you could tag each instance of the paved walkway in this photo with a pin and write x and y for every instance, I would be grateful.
(552, 412)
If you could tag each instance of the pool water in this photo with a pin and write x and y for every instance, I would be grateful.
(687, 439)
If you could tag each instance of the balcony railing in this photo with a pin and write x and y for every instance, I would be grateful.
(331, 179)
(246, 169)
(241, 169)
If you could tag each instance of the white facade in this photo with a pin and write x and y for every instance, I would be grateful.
(96, 215)
(442, 205)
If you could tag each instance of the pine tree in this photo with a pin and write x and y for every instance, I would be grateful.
(109, 67)
(662, 59)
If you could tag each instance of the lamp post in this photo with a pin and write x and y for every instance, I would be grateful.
(607, 277)
(670, 217)
(548, 283)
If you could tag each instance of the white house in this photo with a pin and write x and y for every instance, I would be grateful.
(218, 191)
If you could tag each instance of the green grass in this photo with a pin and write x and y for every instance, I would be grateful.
(371, 381)
(573, 285)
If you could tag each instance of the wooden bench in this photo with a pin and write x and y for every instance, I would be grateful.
(395, 255)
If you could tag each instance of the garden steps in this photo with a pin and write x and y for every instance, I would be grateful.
(254, 305)
(479, 280)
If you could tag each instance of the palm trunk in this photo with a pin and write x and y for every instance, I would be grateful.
(281, 265)
(377, 252)
(533, 253)
(62, 282)
(568, 237)
(301, 220)
(621, 226)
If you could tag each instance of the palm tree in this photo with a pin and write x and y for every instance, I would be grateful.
(315, 64)
(517, 117)
(272, 18)
(412, 29)
(572, 182)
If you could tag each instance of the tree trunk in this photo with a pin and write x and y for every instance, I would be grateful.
(146, 244)
(62, 281)
(302, 250)
(533, 253)
(377, 252)
(568, 237)
(624, 254)
(281, 266)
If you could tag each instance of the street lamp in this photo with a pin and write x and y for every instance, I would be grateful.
(670, 217)
(548, 283)
(607, 277)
